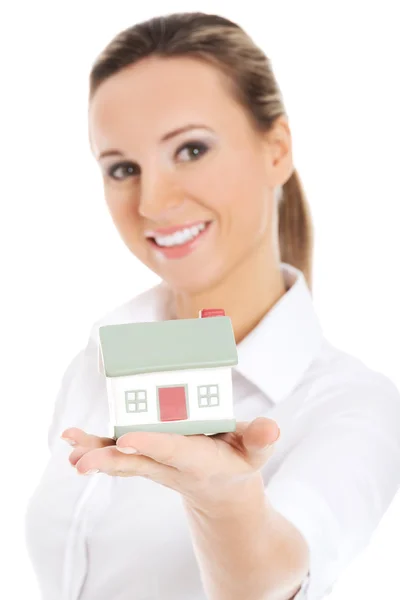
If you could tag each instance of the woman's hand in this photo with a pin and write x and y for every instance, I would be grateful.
(202, 468)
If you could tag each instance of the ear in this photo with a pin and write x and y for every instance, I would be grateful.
(279, 152)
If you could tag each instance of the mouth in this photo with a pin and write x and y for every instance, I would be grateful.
(178, 242)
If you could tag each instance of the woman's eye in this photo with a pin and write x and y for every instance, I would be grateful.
(117, 171)
(189, 152)
(193, 150)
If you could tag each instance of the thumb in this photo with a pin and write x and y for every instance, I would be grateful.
(258, 439)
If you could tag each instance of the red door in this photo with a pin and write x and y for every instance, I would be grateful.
(172, 402)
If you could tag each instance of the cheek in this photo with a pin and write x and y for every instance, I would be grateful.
(235, 190)
(123, 210)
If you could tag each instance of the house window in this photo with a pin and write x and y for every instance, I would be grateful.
(136, 401)
(208, 395)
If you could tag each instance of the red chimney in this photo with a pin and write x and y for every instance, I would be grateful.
(211, 312)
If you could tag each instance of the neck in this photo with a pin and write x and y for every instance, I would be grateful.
(246, 294)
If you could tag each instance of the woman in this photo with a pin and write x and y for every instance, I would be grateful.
(189, 129)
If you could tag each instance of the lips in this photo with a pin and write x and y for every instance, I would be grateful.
(180, 250)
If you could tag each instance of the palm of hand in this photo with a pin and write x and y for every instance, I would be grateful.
(198, 466)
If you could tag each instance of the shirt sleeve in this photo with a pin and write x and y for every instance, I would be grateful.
(54, 430)
(336, 483)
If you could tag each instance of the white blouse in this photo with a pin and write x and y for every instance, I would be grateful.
(334, 472)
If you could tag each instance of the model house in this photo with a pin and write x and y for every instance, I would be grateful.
(172, 376)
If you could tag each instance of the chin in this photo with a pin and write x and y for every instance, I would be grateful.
(193, 281)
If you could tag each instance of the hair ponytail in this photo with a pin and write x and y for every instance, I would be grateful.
(295, 227)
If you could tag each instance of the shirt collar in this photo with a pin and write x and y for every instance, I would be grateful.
(276, 353)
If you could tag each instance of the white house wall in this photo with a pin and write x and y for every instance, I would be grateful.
(221, 376)
(111, 395)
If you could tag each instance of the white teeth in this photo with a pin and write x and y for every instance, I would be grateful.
(180, 237)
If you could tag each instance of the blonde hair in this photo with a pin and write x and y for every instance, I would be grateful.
(224, 44)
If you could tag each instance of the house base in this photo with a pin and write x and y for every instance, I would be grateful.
(182, 427)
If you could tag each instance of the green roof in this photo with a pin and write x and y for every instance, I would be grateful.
(133, 348)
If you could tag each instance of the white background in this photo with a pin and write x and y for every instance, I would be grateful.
(63, 265)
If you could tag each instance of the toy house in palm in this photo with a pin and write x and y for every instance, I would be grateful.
(170, 376)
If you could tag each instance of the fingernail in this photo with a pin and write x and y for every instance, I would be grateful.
(91, 472)
(69, 441)
(127, 450)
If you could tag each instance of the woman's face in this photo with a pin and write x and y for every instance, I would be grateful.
(188, 182)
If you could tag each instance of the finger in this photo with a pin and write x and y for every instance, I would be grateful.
(108, 460)
(78, 437)
(258, 439)
(77, 454)
(172, 449)
(233, 437)
(260, 433)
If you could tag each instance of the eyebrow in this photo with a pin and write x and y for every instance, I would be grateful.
(164, 138)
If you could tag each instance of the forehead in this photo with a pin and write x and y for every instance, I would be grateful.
(158, 93)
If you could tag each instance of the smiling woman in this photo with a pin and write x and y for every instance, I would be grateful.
(188, 126)
(188, 160)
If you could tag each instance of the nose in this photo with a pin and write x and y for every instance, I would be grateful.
(159, 195)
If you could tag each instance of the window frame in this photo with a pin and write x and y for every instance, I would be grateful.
(136, 401)
(208, 395)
